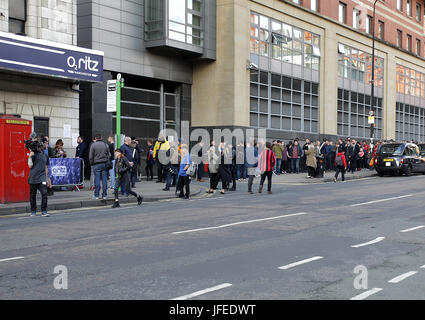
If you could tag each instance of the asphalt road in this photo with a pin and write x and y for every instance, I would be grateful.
(301, 242)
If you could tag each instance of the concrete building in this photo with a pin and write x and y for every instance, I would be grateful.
(41, 66)
(153, 44)
(303, 69)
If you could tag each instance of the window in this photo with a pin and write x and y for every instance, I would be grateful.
(409, 7)
(418, 47)
(185, 21)
(399, 38)
(314, 5)
(400, 5)
(356, 18)
(353, 110)
(418, 12)
(409, 42)
(297, 2)
(154, 20)
(17, 16)
(410, 82)
(410, 122)
(342, 12)
(381, 29)
(369, 25)
(41, 126)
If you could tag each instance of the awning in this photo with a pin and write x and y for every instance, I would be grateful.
(29, 55)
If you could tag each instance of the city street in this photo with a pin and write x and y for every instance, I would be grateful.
(301, 242)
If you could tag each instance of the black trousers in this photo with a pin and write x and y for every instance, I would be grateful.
(184, 181)
(269, 175)
(149, 171)
(214, 179)
(160, 171)
(338, 170)
(123, 180)
(33, 196)
(311, 171)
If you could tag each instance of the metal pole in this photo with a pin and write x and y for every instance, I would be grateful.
(372, 94)
(120, 84)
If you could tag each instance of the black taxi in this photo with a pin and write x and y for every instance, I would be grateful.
(399, 158)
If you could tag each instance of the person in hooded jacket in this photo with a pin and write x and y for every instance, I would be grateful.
(122, 168)
(340, 163)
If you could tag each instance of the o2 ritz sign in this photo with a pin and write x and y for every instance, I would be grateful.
(59, 171)
(83, 66)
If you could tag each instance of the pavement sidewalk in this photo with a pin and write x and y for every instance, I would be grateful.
(62, 200)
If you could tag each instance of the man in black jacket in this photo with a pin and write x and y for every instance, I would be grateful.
(38, 163)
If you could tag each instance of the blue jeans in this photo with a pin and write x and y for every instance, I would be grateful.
(277, 166)
(112, 175)
(295, 165)
(100, 171)
(241, 171)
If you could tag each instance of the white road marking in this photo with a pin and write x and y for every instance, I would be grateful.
(11, 259)
(382, 200)
(366, 294)
(300, 263)
(242, 222)
(201, 292)
(413, 229)
(423, 267)
(379, 239)
(402, 277)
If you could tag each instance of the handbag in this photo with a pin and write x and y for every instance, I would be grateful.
(191, 171)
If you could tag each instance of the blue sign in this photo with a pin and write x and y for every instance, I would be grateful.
(65, 171)
(41, 57)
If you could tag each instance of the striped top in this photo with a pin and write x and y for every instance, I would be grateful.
(267, 160)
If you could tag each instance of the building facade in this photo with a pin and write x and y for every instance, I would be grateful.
(153, 44)
(304, 69)
(41, 66)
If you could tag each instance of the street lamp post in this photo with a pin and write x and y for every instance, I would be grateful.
(372, 107)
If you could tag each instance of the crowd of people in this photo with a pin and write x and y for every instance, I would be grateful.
(120, 169)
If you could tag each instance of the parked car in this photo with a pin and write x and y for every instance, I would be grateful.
(399, 158)
(422, 149)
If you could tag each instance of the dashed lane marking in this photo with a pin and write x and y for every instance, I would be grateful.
(295, 264)
(11, 259)
(413, 229)
(382, 200)
(402, 277)
(366, 294)
(201, 292)
(379, 239)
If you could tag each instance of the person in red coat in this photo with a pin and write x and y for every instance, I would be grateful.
(266, 163)
(340, 164)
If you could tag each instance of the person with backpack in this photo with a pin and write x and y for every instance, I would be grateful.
(340, 164)
(122, 168)
(184, 179)
(266, 163)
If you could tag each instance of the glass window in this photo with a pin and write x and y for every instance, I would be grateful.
(356, 18)
(342, 12)
(185, 21)
(418, 12)
(314, 5)
(17, 16)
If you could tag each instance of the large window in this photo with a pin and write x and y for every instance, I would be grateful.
(353, 111)
(280, 41)
(357, 65)
(342, 12)
(410, 82)
(283, 103)
(17, 16)
(154, 20)
(410, 122)
(185, 21)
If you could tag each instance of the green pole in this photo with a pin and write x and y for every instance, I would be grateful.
(120, 84)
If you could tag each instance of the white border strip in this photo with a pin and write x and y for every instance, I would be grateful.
(11, 259)
(31, 47)
(413, 229)
(201, 292)
(366, 294)
(299, 263)
(50, 43)
(402, 277)
(31, 65)
(379, 239)
(377, 201)
(242, 222)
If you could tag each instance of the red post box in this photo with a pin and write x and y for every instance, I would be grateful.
(14, 169)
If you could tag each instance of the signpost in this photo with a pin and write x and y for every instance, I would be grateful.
(114, 103)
